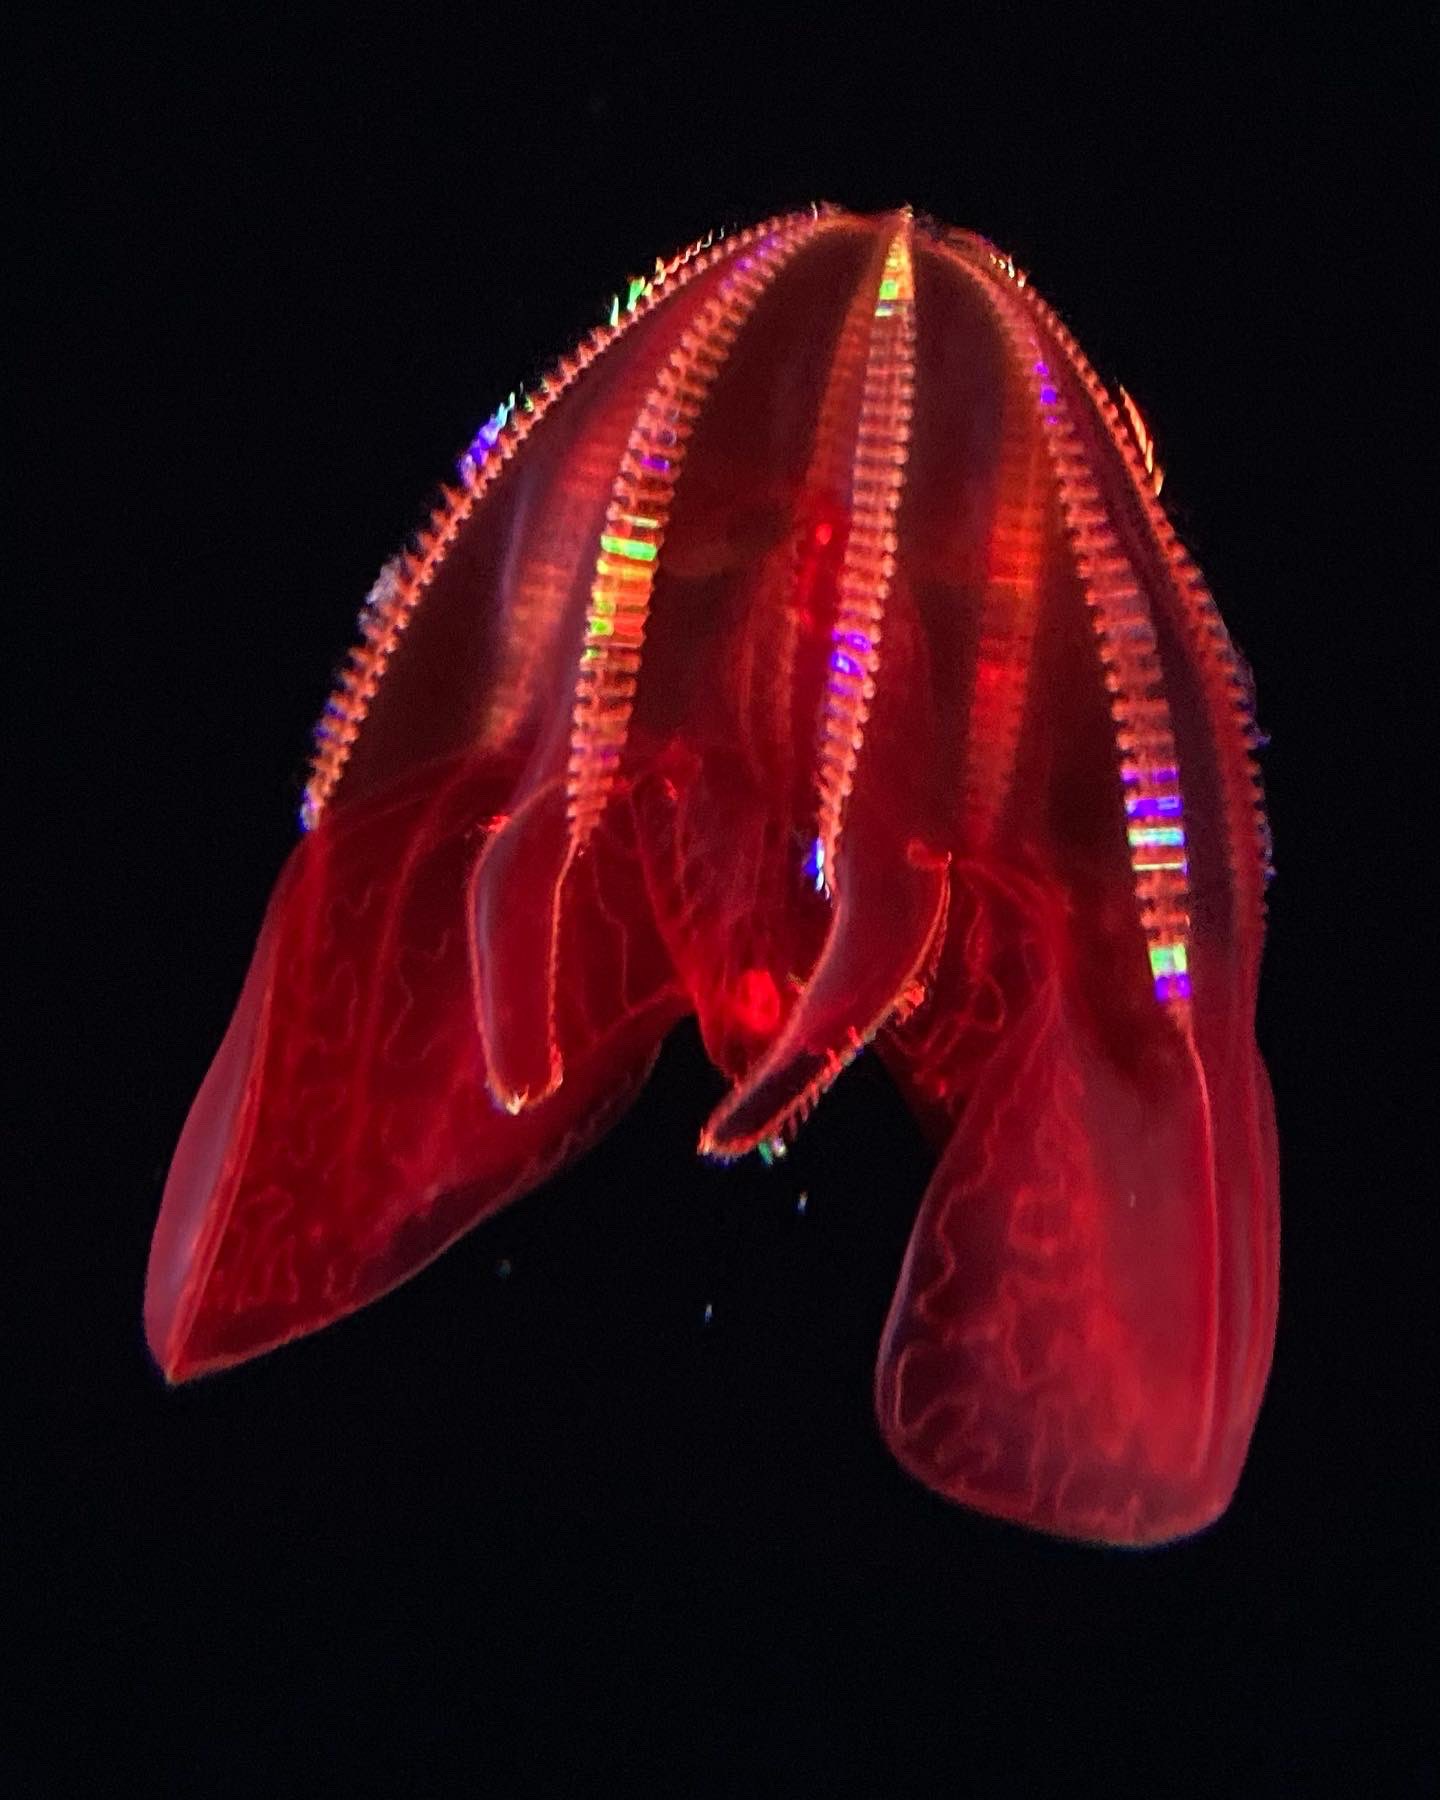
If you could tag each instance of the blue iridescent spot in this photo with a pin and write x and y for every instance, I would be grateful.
(813, 867)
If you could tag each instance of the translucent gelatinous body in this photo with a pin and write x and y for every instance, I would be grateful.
(810, 653)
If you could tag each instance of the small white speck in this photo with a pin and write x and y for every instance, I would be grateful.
(802, 1200)
(709, 1315)
(504, 1268)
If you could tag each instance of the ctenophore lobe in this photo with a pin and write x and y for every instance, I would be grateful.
(809, 652)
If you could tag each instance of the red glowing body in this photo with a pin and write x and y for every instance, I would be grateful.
(811, 654)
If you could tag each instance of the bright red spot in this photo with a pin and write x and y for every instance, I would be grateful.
(757, 1001)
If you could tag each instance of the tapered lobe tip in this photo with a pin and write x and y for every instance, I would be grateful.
(345, 1134)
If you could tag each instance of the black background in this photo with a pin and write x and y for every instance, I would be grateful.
(548, 1531)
